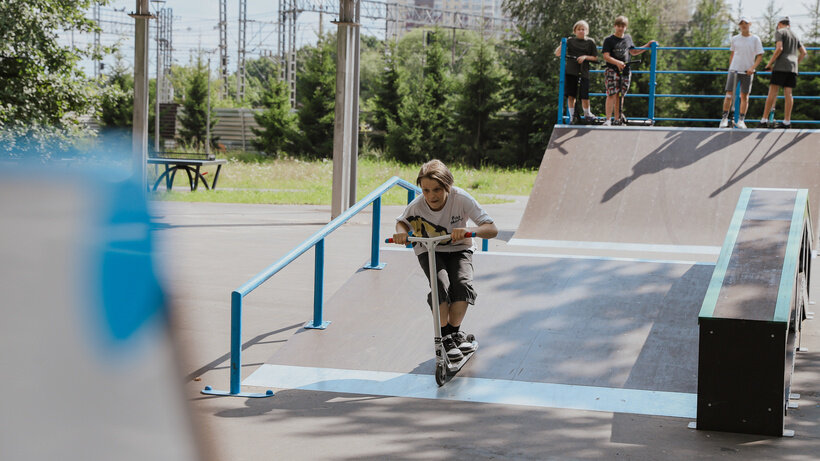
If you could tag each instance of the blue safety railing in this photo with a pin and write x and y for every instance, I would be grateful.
(654, 72)
(317, 240)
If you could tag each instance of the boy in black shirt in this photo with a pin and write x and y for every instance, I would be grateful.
(617, 48)
(580, 49)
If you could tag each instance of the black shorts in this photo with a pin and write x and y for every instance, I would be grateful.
(571, 86)
(455, 276)
(784, 79)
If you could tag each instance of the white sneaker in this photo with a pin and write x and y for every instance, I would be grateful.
(740, 124)
(724, 122)
(608, 122)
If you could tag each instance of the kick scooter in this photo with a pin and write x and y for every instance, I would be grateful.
(623, 119)
(445, 368)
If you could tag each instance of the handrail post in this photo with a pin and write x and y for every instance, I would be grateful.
(374, 243)
(653, 67)
(563, 68)
(411, 195)
(485, 244)
(318, 288)
(236, 341)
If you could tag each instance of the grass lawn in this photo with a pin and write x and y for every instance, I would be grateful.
(248, 178)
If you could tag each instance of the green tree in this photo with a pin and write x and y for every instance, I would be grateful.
(316, 99)
(386, 98)
(117, 109)
(41, 86)
(480, 99)
(278, 124)
(423, 130)
(193, 120)
(707, 28)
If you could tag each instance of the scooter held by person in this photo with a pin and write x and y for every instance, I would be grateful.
(445, 368)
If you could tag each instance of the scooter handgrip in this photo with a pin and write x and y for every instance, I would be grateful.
(472, 234)
(390, 240)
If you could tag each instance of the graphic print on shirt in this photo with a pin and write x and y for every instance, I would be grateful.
(424, 228)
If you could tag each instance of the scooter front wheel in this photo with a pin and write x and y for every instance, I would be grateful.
(441, 374)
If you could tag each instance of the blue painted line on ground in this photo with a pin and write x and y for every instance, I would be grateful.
(483, 390)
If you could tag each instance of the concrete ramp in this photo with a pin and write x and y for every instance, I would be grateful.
(606, 334)
(666, 190)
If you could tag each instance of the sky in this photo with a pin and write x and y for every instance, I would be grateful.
(195, 26)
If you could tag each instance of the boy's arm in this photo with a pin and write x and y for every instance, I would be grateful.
(402, 230)
(758, 59)
(608, 58)
(635, 52)
(558, 51)
(487, 230)
(802, 54)
(778, 49)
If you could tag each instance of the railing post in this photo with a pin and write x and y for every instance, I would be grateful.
(236, 341)
(653, 67)
(737, 99)
(411, 195)
(563, 67)
(485, 244)
(374, 243)
(318, 288)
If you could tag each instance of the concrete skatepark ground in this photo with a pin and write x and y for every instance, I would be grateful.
(210, 249)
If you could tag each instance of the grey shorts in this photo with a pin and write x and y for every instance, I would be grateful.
(455, 276)
(745, 82)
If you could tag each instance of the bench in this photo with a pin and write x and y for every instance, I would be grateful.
(191, 163)
(752, 314)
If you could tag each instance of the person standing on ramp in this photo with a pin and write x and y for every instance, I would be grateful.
(788, 53)
(747, 52)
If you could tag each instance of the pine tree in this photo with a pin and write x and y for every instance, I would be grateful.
(192, 122)
(316, 90)
(278, 124)
(117, 110)
(387, 98)
(423, 129)
(480, 100)
(708, 28)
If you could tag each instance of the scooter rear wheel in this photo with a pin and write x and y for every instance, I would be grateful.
(441, 374)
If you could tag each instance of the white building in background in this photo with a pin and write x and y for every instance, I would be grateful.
(490, 8)
(486, 8)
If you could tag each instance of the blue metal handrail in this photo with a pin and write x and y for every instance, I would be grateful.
(654, 72)
(317, 240)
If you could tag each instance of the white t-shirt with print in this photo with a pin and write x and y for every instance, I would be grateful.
(459, 208)
(746, 49)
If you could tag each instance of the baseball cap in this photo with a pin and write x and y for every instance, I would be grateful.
(744, 19)
(783, 20)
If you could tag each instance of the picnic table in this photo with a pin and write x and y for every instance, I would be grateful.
(191, 163)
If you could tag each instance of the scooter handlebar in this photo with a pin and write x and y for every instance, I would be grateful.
(417, 239)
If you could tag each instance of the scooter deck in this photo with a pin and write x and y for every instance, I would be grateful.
(453, 367)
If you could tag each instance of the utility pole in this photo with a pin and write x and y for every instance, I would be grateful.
(240, 68)
(346, 126)
(140, 128)
(97, 62)
(158, 81)
(223, 47)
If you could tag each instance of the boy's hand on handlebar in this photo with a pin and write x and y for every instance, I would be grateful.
(581, 59)
(620, 65)
(400, 238)
(458, 233)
